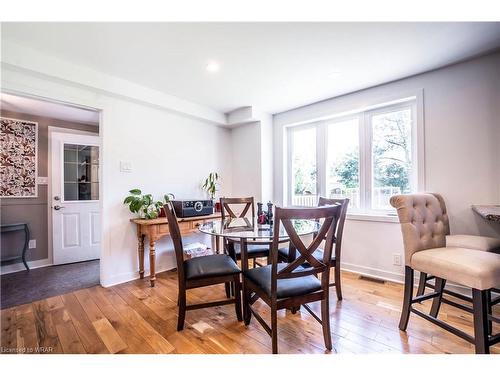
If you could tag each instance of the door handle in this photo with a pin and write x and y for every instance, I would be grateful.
(57, 207)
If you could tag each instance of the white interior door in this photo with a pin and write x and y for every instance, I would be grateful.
(76, 216)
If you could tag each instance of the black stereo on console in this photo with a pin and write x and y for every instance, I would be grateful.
(189, 208)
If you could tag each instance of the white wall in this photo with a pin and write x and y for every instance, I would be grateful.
(169, 152)
(462, 123)
(252, 166)
(246, 160)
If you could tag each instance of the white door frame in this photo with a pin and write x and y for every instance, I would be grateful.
(51, 130)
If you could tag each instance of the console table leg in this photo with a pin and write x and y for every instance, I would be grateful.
(152, 259)
(26, 245)
(141, 256)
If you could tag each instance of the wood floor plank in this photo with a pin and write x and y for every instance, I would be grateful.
(27, 338)
(135, 343)
(148, 333)
(9, 331)
(109, 336)
(84, 327)
(48, 339)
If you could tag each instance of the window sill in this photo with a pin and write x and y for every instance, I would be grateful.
(372, 217)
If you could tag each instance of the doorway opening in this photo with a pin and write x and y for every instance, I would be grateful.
(60, 211)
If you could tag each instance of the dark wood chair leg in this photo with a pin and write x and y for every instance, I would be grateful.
(408, 296)
(182, 309)
(247, 315)
(480, 306)
(274, 329)
(227, 286)
(436, 301)
(338, 282)
(325, 322)
(237, 297)
(421, 284)
(490, 311)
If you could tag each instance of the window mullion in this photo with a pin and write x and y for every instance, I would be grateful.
(368, 170)
(321, 155)
(363, 181)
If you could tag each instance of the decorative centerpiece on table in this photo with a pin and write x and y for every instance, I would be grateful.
(265, 217)
(145, 205)
(210, 186)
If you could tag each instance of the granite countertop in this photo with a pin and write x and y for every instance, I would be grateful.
(489, 212)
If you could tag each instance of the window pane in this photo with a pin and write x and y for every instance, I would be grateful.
(342, 165)
(391, 155)
(81, 171)
(304, 167)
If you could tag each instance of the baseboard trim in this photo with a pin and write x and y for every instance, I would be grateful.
(16, 267)
(121, 278)
(373, 272)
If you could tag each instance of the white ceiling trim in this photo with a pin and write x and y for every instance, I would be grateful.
(29, 59)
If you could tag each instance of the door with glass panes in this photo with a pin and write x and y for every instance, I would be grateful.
(76, 216)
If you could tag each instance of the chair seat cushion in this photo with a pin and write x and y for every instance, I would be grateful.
(286, 288)
(260, 250)
(318, 254)
(209, 266)
(474, 242)
(472, 268)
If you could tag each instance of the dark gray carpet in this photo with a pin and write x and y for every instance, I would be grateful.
(27, 286)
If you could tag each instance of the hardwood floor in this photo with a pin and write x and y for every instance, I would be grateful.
(134, 318)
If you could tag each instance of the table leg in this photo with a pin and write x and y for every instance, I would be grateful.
(152, 260)
(245, 294)
(141, 255)
(215, 244)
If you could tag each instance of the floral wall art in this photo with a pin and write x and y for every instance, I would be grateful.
(18, 158)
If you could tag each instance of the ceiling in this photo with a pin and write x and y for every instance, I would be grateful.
(270, 66)
(47, 109)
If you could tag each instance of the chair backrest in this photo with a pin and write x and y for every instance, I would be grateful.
(175, 234)
(344, 203)
(228, 212)
(424, 221)
(330, 216)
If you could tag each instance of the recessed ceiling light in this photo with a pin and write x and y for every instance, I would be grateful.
(212, 67)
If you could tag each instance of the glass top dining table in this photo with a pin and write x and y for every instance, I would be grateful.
(244, 231)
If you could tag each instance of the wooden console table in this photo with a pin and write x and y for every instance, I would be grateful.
(155, 229)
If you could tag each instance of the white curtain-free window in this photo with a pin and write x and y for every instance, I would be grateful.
(367, 157)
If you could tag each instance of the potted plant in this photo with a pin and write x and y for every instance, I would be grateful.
(144, 205)
(210, 185)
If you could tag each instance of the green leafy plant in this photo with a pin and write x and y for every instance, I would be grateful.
(210, 184)
(144, 205)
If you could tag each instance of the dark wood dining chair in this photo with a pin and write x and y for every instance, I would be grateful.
(287, 285)
(254, 249)
(201, 271)
(285, 255)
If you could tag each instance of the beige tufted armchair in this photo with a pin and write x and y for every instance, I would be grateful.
(425, 225)
(481, 243)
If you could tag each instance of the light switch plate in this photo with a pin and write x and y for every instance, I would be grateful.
(125, 166)
(32, 244)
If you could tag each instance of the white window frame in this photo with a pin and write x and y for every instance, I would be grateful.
(417, 179)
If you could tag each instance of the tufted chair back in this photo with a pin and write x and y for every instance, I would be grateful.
(424, 221)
